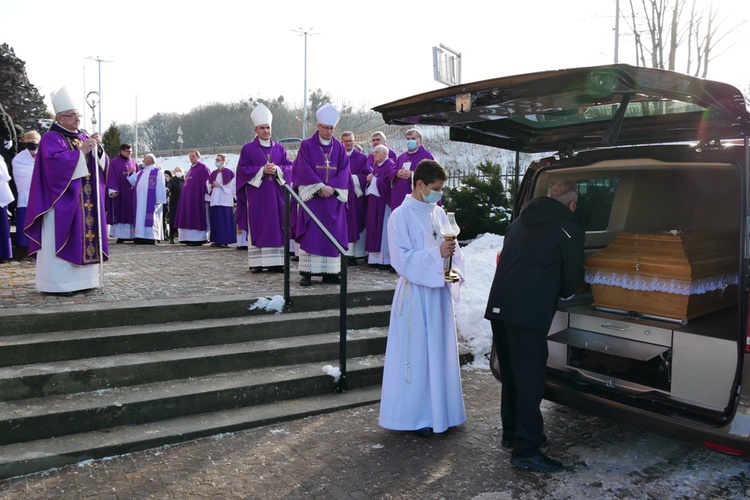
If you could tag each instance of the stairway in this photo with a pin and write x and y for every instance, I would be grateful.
(88, 382)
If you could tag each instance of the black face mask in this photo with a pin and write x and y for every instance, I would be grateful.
(32, 146)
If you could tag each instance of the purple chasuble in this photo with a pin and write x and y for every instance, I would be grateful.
(191, 207)
(356, 206)
(311, 167)
(78, 220)
(262, 208)
(376, 205)
(120, 208)
(401, 188)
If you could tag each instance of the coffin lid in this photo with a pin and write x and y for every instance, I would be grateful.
(578, 109)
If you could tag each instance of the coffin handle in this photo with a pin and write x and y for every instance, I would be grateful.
(619, 328)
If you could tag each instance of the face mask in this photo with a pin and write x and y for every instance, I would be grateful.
(433, 197)
(411, 144)
(32, 146)
(219, 165)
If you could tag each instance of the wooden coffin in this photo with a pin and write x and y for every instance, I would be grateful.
(673, 275)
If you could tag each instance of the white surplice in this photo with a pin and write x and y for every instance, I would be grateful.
(140, 189)
(422, 375)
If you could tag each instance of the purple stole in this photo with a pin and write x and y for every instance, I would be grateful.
(150, 196)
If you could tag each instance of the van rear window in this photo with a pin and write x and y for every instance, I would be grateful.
(595, 197)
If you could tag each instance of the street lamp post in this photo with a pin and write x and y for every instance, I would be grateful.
(304, 96)
(99, 61)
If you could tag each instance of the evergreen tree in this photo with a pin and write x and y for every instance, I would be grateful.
(481, 202)
(111, 141)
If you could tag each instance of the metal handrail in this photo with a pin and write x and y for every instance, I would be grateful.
(341, 385)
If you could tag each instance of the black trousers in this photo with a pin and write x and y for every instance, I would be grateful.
(522, 353)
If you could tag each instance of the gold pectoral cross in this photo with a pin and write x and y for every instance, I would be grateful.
(328, 168)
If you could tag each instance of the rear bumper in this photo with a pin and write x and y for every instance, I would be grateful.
(735, 435)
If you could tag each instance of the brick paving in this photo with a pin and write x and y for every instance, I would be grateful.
(346, 455)
(173, 271)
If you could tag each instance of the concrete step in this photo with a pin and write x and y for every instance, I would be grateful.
(42, 454)
(35, 380)
(75, 344)
(54, 416)
(131, 313)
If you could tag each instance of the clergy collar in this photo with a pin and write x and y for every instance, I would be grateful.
(56, 127)
(264, 143)
(324, 142)
(381, 163)
(349, 153)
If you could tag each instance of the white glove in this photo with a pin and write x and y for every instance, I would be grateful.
(8, 144)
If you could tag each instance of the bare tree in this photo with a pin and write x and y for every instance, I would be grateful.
(690, 42)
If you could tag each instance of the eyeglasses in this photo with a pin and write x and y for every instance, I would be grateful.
(325, 127)
(73, 115)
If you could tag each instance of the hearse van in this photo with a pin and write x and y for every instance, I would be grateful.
(658, 335)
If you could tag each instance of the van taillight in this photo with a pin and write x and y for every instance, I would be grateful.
(723, 449)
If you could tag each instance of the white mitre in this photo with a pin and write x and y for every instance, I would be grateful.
(62, 101)
(261, 115)
(327, 115)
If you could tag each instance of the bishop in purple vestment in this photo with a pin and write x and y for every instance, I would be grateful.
(406, 164)
(322, 177)
(262, 171)
(119, 201)
(65, 219)
(191, 219)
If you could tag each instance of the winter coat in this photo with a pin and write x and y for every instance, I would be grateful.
(541, 260)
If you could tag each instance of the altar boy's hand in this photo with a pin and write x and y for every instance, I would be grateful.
(447, 248)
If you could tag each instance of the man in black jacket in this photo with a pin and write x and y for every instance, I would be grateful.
(541, 261)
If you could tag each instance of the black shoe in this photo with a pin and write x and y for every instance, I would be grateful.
(331, 278)
(120, 240)
(215, 245)
(305, 281)
(351, 262)
(276, 269)
(294, 258)
(242, 248)
(424, 432)
(256, 270)
(537, 463)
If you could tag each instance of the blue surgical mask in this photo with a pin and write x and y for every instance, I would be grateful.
(219, 164)
(411, 144)
(432, 197)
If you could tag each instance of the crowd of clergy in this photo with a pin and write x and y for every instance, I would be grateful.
(382, 207)
(72, 198)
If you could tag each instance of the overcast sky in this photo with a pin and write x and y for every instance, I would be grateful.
(177, 55)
